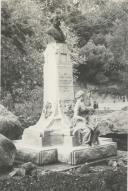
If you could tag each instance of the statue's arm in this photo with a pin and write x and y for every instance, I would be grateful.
(76, 116)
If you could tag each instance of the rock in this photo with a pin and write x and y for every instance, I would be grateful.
(122, 155)
(9, 124)
(84, 169)
(112, 163)
(18, 172)
(29, 167)
(115, 122)
(24, 169)
(7, 152)
(120, 162)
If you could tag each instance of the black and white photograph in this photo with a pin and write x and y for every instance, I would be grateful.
(64, 95)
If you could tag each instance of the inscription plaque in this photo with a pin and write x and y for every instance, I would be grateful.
(65, 81)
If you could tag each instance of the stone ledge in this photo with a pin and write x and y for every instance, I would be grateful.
(55, 138)
(39, 156)
(82, 154)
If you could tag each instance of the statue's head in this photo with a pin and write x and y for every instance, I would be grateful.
(55, 30)
(79, 95)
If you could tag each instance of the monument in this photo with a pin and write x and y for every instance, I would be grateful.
(58, 99)
(50, 139)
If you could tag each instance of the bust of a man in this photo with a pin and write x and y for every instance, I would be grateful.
(55, 31)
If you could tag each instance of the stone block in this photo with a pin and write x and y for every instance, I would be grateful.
(71, 141)
(104, 140)
(51, 138)
(82, 154)
(40, 156)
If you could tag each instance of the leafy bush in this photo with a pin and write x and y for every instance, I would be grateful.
(30, 109)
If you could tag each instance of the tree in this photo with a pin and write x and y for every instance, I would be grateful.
(23, 26)
(96, 59)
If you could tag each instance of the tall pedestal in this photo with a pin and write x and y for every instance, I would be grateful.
(54, 122)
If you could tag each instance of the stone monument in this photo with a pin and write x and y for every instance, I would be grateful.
(50, 139)
(54, 122)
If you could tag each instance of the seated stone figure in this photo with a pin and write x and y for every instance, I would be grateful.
(83, 128)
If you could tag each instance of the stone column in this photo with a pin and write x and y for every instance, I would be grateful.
(58, 93)
(58, 79)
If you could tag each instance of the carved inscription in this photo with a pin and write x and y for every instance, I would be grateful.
(65, 80)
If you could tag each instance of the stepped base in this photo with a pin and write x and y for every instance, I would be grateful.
(65, 153)
(82, 154)
(39, 156)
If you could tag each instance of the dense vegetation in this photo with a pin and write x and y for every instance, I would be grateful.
(97, 36)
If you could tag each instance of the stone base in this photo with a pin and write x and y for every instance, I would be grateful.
(39, 156)
(82, 154)
(104, 140)
(65, 153)
(52, 138)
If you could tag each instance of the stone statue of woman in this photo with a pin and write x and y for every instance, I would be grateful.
(86, 132)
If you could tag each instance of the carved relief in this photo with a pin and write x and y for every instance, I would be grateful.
(67, 108)
(48, 110)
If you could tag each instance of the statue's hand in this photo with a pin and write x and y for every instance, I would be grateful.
(78, 118)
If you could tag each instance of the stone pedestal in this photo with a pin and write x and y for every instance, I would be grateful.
(54, 122)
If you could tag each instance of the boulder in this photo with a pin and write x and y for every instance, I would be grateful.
(115, 122)
(24, 169)
(9, 124)
(7, 152)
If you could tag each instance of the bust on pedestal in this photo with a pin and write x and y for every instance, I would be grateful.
(54, 123)
(50, 139)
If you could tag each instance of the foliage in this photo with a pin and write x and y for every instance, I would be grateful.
(29, 106)
(22, 44)
(96, 59)
(103, 23)
(106, 28)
